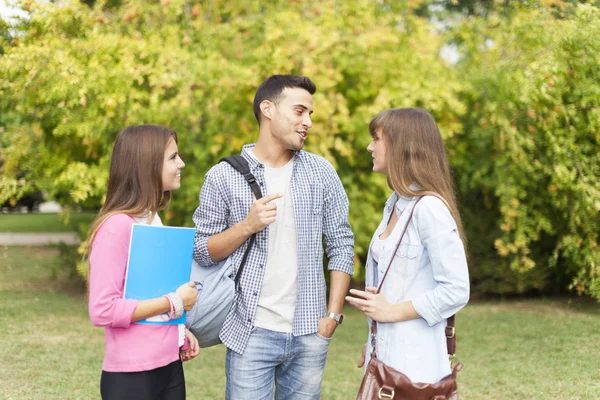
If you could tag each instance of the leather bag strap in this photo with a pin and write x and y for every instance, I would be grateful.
(240, 164)
(450, 324)
(398, 244)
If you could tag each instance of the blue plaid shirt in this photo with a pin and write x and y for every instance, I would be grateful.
(320, 208)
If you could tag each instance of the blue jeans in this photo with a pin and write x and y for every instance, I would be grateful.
(292, 365)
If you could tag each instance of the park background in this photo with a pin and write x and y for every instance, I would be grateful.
(513, 85)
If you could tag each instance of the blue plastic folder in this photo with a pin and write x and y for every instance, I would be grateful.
(160, 260)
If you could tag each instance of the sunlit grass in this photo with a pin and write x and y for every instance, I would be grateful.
(42, 222)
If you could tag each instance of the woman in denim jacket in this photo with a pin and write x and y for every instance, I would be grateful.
(428, 279)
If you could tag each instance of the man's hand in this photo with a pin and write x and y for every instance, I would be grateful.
(327, 326)
(262, 213)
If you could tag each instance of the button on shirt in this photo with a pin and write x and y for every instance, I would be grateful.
(429, 269)
(321, 210)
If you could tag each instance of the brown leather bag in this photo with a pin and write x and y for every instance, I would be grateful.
(384, 382)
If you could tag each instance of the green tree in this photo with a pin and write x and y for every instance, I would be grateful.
(529, 158)
(518, 111)
(78, 76)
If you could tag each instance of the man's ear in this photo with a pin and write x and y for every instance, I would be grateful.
(267, 109)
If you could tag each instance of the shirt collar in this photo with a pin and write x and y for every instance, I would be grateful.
(401, 201)
(253, 163)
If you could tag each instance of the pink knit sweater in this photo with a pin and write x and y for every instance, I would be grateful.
(129, 347)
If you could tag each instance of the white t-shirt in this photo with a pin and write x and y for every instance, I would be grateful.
(277, 301)
(378, 245)
(376, 248)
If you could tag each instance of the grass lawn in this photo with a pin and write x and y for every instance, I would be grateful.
(535, 349)
(42, 222)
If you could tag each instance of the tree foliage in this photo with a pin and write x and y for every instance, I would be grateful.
(73, 76)
(532, 159)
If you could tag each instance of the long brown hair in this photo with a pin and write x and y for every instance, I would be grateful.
(135, 175)
(415, 154)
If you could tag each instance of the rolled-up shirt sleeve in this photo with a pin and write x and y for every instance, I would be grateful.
(210, 218)
(444, 246)
(339, 239)
(108, 264)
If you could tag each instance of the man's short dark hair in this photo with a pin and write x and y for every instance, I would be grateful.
(274, 85)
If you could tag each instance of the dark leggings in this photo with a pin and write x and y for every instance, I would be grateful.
(164, 383)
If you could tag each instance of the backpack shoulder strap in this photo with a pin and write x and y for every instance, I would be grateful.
(240, 164)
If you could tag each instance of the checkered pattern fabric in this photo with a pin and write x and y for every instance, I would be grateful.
(321, 210)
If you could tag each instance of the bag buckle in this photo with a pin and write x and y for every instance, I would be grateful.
(450, 332)
(386, 395)
(373, 344)
(250, 178)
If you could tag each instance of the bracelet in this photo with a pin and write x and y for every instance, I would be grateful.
(166, 296)
(177, 306)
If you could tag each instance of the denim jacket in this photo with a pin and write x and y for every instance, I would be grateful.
(429, 269)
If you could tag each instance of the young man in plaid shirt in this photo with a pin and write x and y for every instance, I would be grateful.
(278, 330)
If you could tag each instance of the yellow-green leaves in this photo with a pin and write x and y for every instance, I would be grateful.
(518, 111)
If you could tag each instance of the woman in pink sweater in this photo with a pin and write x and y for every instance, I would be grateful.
(141, 361)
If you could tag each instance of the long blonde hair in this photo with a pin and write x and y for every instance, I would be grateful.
(135, 176)
(415, 154)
